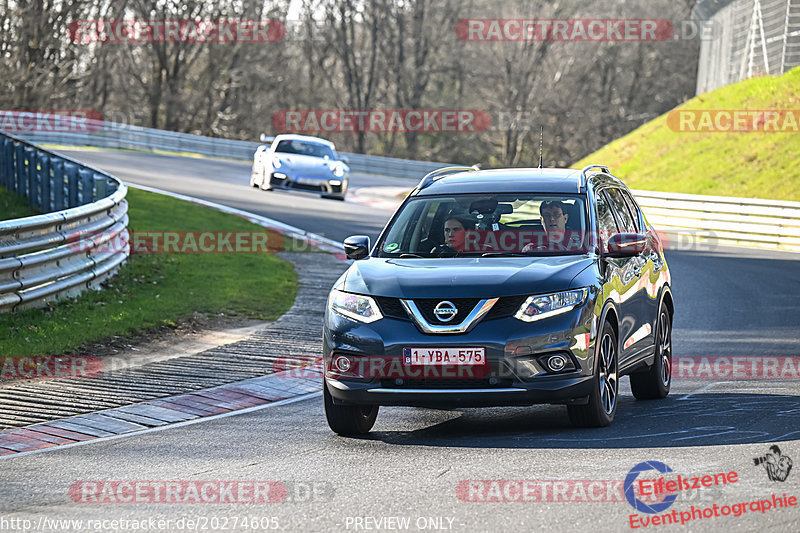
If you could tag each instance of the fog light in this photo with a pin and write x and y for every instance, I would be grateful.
(341, 363)
(556, 363)
(398, 381)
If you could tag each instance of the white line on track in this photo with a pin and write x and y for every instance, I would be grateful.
(698, 391)
(168, 426)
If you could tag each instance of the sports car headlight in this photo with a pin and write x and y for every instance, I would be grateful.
(355, 306)
(338, 171)
(546, 305)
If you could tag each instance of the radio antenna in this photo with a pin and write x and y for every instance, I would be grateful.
(541, 144)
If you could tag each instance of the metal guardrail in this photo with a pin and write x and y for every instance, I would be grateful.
(104, 134)
(58, 254)
(722, 220)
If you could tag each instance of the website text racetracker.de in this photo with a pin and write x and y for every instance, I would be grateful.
(185, 523)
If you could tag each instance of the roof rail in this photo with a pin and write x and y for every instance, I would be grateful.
(439, 173)
(586, 169)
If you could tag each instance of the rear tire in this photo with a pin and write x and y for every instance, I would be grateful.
(348, 419)
(602, 405)
(654, 383)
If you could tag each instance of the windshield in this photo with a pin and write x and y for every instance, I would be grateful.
(305, 148)
(488, 225)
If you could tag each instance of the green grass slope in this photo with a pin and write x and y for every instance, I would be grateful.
(755, 164)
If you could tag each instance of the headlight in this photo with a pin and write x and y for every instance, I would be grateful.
(276, 162)
(338, 171)
(355, 306)
(546, 305)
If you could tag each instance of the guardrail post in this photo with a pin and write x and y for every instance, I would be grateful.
(100, 186)
(18, 181)
(86, 192)
(58, 185)
(45, 184)
(30, 164)
(6, 161)
(72, 184)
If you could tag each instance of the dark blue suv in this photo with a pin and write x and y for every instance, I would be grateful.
(501, 287)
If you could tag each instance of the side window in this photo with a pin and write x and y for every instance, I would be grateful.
(634, 208)
(621, 210)
(605, 219)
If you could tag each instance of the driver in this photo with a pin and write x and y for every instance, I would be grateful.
(452, 238)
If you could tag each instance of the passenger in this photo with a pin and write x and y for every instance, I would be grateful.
(554, 220)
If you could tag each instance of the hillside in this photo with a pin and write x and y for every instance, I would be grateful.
(660, 156)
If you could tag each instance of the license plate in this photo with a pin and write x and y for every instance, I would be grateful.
(308, 181)
(444, 356)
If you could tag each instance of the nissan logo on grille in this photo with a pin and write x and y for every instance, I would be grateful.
(445, 311)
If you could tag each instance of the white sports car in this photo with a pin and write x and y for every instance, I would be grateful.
(300, 162)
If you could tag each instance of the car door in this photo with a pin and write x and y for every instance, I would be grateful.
(634, 328)
(652, 265)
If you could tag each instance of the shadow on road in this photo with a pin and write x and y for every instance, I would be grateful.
(700, 420)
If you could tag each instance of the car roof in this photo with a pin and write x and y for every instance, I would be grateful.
(304, 138)
(555, 180)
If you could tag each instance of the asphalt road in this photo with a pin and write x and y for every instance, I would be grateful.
(730, 302)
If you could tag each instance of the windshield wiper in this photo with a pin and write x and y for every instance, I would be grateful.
(503, 254)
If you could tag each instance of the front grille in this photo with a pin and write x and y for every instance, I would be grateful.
(444, 383)
(505, 307)
(392, 308)
(464, 306)
(307, 187)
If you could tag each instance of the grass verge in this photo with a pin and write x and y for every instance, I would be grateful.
(755, 164)
(13, 205)
(155, 290)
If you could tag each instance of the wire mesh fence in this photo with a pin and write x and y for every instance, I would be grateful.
(752, 38)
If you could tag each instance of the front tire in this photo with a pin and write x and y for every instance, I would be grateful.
(348, 419)
(654, 383)
(265, 181)
(602, 405)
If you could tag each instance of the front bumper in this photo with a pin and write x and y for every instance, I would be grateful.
(567, 390)
(514, 373)
(326, 186)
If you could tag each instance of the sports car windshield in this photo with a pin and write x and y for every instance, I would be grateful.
(305, 148)
(488, 225)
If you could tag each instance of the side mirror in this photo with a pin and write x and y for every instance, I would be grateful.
(344, 159)
(626, 244)
(264, 139)
(356, 247)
